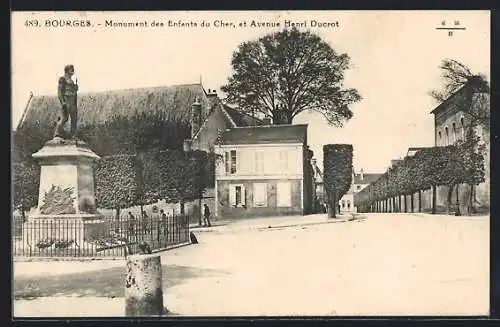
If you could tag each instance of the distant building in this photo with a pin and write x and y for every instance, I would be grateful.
(319, 187)
(265, 171)
(359, 182)
(452, 119)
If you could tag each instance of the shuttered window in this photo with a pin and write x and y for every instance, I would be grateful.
(260, 194)
(284, 194)
(233, 162)
(237, 195)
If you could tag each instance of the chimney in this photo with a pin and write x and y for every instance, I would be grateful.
(213, 100)
(361, 174)
(195, 117)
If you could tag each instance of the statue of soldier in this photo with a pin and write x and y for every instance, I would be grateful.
(67, 94)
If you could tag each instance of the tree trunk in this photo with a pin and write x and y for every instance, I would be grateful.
(406, 204)
(142, 210)
(200, 222)
(471, 199)
(23, 215)
(449, 199)
(457, 212)
(412, 206)
(332, 206)
(433, 199)
(419, 201)
(182, 207)
(117, 219)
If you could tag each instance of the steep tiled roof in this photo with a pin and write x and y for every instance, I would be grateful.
(475, 85)
(265, 134)
(241, 119)
(97, 107)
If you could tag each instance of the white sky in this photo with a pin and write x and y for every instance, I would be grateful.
(395, 57)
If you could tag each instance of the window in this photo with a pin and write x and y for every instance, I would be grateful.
(348, 204)
(228, 162)
(454, 131)
(358, 187)
(439, 135)
(260, 195)
(462, 125)
(447, 136)
(233, 161)
(284, 194)
(259, 161)
(343, 203)
(237, 195)
(283, 160)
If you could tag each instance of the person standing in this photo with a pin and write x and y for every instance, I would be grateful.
(131, 223)
(206, 216)
(67, 93)
(163, 221)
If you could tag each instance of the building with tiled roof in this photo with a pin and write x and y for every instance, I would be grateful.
(359, 182)
(265, 170)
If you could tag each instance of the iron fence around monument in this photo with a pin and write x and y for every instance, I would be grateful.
(116, 237)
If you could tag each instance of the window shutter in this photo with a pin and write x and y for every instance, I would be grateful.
(232, 195)
(243, 195)
(238, 160)
(228, 162)
(284, 196)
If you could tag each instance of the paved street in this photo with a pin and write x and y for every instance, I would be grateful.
(386, 264)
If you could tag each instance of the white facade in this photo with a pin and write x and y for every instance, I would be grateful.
(260, 161)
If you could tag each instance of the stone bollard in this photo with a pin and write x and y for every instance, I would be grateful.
(143, 287)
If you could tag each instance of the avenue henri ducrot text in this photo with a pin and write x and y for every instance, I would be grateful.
(216, 23)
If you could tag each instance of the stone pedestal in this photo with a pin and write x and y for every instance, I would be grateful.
(66, 199)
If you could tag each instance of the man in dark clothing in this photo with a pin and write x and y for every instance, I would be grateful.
(206, 215)
(163, 222)
(131, 223)
(145, 223)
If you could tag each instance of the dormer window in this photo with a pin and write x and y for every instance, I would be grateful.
(462, 125)
(454, 131)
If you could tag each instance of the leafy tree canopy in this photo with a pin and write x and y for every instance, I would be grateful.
(284, 73)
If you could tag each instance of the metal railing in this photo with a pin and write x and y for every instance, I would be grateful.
(109, 237)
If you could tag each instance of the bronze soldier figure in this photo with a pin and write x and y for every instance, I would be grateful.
(66, 92)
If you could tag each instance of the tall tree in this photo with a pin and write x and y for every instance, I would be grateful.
(337, 172)
(284, 73)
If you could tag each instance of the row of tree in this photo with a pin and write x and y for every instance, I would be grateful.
(172, 175)
(337, 173)
(429, 168)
